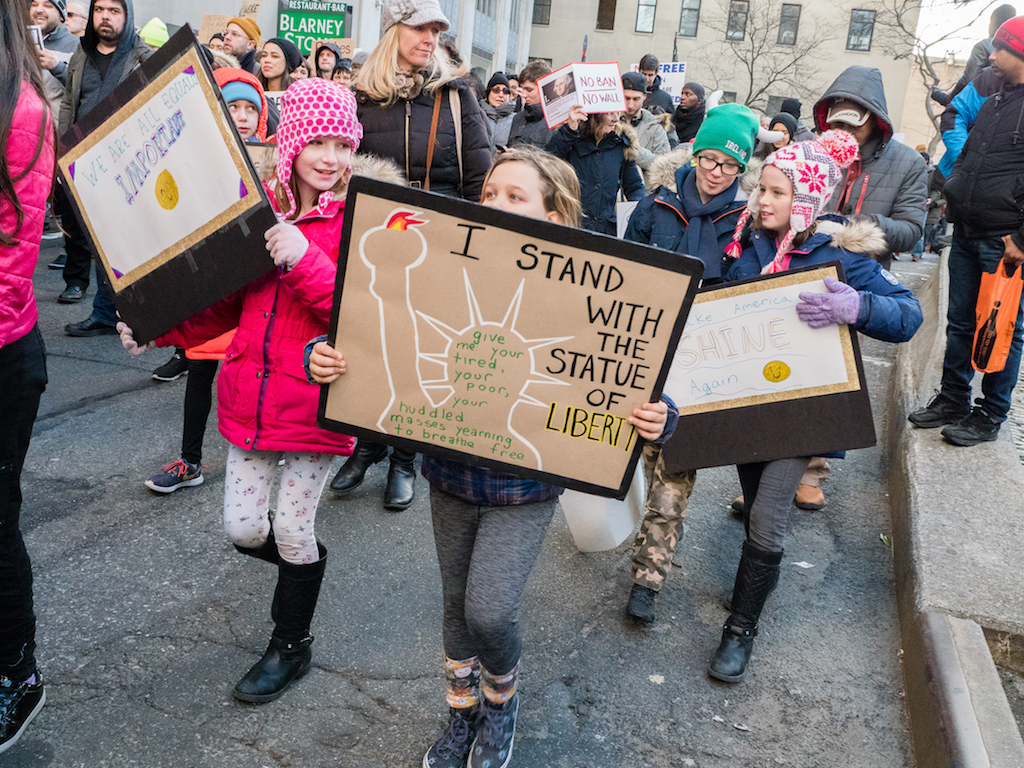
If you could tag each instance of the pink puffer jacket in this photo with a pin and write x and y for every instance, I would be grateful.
(18, 313)
(264, 401)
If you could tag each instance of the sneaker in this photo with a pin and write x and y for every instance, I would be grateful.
(641, 603)
(940, 410)
(493, 745)
(177, 474)
(452, 749)
(19, 704)
(174, 368)
(59, 263)
(809, 497)
(977, 427)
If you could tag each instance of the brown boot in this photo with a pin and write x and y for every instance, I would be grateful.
(809, 497)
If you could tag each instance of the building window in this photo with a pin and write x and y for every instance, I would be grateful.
(862, 27)
(688, 18)
(606, 14)
(645, 15)
(789, 24)
(737, 28)
(542, 12)
(728, 97)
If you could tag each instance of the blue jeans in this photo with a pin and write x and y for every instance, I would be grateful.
(103, 302)
(968, 258)
(918, 248)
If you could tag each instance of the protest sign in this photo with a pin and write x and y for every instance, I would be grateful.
(596, 87)
(498, 340)
(305, 22)
(673, 78)
(165, 189)
(264, 159)
(753, 382)
(250, 9)
(210, 24)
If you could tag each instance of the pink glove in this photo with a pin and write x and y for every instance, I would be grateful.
(840, 305)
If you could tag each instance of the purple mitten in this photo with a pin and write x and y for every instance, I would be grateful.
(840, 305)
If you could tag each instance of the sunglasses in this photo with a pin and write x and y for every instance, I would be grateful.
(500, 89)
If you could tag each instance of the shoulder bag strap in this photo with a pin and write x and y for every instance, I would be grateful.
(455, 102)
(433, 137)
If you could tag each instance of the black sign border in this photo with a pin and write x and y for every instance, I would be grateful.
(554, 233)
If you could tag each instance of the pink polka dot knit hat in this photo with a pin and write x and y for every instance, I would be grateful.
(310, 108)
(814, 169)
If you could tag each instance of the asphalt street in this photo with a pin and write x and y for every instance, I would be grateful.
(147, 617)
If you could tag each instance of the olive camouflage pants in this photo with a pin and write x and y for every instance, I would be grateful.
(667, 497)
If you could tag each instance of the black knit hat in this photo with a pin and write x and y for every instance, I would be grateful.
(792, 106)
(634, 81)
(292, 54)
(498, 78)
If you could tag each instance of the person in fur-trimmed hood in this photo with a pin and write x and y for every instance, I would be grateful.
(786, 233)
(693, 208)
(603, 151)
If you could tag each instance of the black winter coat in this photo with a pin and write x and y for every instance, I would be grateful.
(602, 169)
(388, 129)
(529, 127)
(985, 191)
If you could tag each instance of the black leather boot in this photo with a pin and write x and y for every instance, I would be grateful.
(755, 579)
(401, 481)
(288, 655)
(351, 474)
(266, 551)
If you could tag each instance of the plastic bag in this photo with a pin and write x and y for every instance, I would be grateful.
(598, 523)
(995, 316)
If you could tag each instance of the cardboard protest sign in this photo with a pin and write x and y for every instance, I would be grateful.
(497, 340)
(250, 9)
(346, 45)
(753, 382)
(212, 23)
(596, 87)
(165, 189)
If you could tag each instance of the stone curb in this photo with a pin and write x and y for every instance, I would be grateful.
(959, 714)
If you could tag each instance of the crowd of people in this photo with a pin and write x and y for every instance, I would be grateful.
(746, 194)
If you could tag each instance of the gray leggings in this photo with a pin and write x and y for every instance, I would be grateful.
(486, 555)
(768, 488)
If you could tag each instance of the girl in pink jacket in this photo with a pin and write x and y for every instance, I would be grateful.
(266, 407)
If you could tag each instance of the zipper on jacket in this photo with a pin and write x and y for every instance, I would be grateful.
(266, 367)
(408, 115)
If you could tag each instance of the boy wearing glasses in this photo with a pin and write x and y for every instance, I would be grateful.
(694, 211)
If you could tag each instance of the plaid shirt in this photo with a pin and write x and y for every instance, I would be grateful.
(488, 488)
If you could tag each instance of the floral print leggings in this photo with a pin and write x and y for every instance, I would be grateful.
(247, 485)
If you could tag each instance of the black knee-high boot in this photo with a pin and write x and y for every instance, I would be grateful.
(266, 551)
(288, 655)
(755, 579)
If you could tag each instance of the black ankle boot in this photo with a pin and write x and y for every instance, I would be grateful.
(755, 579)
(351, 474)
(288, 655)
(266, 551)
(401, 481)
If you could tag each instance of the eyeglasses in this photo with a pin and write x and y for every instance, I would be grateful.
(73, 15)
(708, 164)
(500, 89)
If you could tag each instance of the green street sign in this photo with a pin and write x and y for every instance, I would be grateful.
(306, 21)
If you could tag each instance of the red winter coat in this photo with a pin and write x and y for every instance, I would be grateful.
(264, 401)
(18, 313)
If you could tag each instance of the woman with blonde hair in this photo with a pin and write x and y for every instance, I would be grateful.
(418, 110)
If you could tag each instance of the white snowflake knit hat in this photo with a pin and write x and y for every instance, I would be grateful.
(310, 108)
(814, 169)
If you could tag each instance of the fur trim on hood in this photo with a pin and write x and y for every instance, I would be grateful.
(379, 168)
(632, 152)
(857, 235)
(662, 171)
(224, 60)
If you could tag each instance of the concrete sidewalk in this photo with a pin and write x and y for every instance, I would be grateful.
(959, 560)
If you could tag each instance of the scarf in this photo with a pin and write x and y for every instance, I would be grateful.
(688, 122)
(700, 239)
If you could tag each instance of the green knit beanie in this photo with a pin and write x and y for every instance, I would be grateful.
(729, 128)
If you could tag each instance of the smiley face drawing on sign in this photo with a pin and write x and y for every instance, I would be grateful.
(166, 191)
(776, 371)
